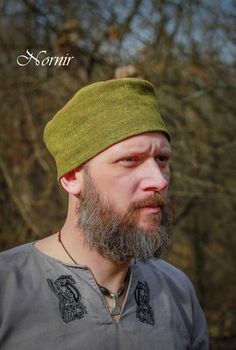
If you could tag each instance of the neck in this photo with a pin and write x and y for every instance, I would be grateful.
(106, 272)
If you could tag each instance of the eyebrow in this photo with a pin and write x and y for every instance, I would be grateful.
(166, 150)
(133, 151)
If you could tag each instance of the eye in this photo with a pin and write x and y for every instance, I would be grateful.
(130, 159)
(162, 158)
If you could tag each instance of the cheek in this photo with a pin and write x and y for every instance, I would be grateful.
(127, 183)
(126, 187)
(122, 190)
(166, 173)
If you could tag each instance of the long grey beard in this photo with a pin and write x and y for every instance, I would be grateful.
(117, 237)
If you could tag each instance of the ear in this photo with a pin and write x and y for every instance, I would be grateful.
(72, 181)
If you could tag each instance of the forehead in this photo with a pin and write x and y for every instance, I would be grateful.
(147, 143)
(144, 142)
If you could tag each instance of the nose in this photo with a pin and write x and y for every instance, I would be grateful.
(154, 177)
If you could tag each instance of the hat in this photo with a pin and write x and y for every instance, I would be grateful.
(98, 116)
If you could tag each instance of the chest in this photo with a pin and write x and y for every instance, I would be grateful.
(67, 312)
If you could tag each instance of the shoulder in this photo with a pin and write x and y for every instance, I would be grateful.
(179, 288)
(18, 269)
(166, 270)
(168, 276)
(16, 252)
(169, 271)
(15, 258)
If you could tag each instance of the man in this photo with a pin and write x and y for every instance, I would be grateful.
(99, 282)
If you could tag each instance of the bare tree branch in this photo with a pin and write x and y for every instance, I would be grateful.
(18, 203)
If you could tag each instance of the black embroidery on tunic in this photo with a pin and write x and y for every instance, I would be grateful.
(144, 311)
(70, 305)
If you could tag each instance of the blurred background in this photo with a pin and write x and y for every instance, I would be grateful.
(187, 50)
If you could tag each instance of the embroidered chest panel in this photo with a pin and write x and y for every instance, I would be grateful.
(69, 298)
(144, 311)
(71, 307)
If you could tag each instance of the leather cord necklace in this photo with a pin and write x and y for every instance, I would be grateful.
(115, 309)
(62, 244)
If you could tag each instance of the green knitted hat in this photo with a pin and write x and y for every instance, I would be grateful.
(98, 116)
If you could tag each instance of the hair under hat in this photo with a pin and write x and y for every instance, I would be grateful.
(98, 116)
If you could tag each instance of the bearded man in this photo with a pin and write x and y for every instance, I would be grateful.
(99, 282)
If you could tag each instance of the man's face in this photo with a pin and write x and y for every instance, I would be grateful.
(123, 207)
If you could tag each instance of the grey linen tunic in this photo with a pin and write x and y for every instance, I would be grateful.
(48, 305)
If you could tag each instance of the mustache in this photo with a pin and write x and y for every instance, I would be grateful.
(154, 200)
